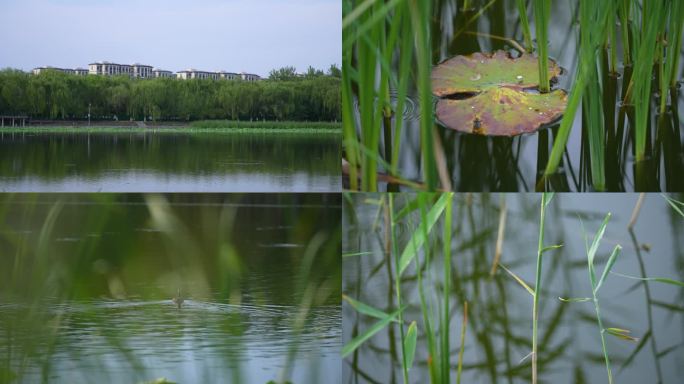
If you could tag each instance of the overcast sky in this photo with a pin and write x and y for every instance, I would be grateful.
(235, 35)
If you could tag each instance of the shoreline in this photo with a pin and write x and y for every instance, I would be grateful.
(204, 126)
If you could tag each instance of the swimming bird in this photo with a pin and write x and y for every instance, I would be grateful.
(178, 299)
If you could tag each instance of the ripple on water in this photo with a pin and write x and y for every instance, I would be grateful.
(411, 111)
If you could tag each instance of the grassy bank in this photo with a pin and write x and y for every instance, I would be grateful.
(268, 125)
(204, 126)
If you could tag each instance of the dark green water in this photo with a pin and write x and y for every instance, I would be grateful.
(87, 280)
(169, 162)
(499, 331)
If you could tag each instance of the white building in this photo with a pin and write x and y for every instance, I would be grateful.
(196, 74)
(39, 70)
(228, 75)
(106, 68)
(249, 77)
(141, 71)
(156, 72)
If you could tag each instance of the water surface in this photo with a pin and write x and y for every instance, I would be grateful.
(168, 162)
(87, 282)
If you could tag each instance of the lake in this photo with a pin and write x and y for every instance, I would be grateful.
(499, 324)
(87, 282)
(169, 162)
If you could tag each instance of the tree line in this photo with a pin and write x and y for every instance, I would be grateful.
(313, 96)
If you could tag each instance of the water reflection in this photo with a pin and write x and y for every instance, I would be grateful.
(87, 282)
(499, 328)
(163, 162)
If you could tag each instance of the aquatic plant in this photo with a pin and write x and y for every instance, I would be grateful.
(542, 15)
(596, 284)
(488, 94)
(619, 45)
(404, 251)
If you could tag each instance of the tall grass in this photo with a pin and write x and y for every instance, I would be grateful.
(642, 49)
(593, 30)
(375, 34)
(645, 48)
(419, 228)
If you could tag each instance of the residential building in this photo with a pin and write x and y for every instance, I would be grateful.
(39, 70)
(228, 75)
(196, 74)
(156, 72)
(141, 71)
(106, 68)
(249, 77)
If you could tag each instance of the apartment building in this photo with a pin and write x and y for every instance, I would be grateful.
(77, 71)
(105, 68)
(249, 77)
(228, 75)
(156, 72)
(142, 71)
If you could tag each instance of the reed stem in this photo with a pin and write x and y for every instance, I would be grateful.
(542, 14)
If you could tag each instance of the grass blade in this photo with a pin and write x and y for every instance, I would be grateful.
(574, 299)
(356, 342)
(591, 252)
(622, 334)
(658, 279)
(609, 265)
(365, 308)
(353, 254)
(675, 204)
(419, 236)
(410, 344)
(518, 279)
(460, 351)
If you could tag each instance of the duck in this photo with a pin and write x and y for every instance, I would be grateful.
(178, 300)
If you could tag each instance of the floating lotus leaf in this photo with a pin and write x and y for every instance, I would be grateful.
(502, 111)
(480, 71)
(491, 94)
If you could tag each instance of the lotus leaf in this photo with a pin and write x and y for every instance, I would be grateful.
(493, 94)
(502, 112)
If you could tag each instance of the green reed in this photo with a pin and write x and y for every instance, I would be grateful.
(448, 218)
(593, 21)
(596, 285)
(645, 47)
(542, 14)
(397, 287)
(670, 48)
(641, 50)
(375, 35)
(527, 36)
(546, 199)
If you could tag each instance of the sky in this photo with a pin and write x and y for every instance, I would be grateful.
(253, 36)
